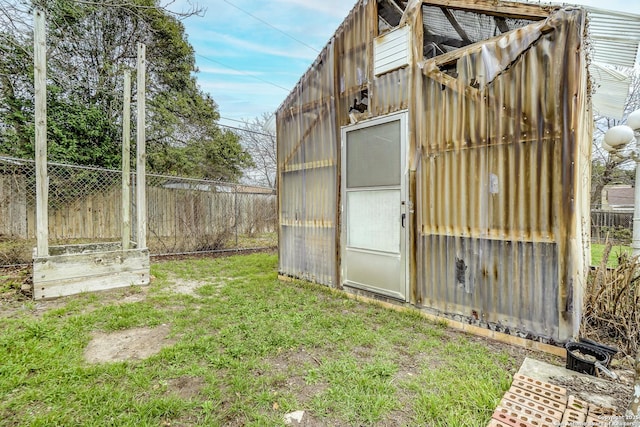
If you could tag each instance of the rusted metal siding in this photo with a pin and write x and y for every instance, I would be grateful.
(307, 174)
(497, 178)
(308, 129)
(499, 146)
(390, 92)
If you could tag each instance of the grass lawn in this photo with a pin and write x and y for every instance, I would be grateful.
(597, 250)
(243, 349)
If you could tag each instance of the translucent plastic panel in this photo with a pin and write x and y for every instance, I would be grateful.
(374, 220)
(373, 156)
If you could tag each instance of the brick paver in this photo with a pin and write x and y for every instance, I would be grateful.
(534, 403)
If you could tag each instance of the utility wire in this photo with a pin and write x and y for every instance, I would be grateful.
(271, 26)
(244, 72)
(233, 120)
(245, 130)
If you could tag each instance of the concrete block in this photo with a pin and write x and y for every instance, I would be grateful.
(558, 406)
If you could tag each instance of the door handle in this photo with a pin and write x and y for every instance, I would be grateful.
(404, 217)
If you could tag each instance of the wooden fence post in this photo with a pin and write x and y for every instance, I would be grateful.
(141, 156)
(42, 179)
(126, 162)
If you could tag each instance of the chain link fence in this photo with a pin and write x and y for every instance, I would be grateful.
(85, 206)
(611, 225)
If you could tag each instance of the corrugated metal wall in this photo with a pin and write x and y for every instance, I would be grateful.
(500, 154)
(497, 178)
(308, 128)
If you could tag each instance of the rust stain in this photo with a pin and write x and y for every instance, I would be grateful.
(496, 129)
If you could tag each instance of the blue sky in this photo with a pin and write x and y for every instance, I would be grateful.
(248, 67)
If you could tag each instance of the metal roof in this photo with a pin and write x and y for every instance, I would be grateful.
(614, 40)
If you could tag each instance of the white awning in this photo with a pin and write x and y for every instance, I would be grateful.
(611, 90)
(614, 40)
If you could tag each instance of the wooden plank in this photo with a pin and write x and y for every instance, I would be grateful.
(307, 132)
(310, 165)
(306, 224)
(63, 275)
(456, 25)
(87, 219)
(13, 205)
(432, 71)
(5, 205)
(78, 266)
(497, 8)
(93, 284)
(40, 84)
(141, 156)
(7, 198)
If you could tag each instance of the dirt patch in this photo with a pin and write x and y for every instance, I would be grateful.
(186, 287)
(131, 344)
(190, 287)
(185, 387)
(290, 369)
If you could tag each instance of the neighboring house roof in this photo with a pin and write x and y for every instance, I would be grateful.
(216, 187)
(618, 195)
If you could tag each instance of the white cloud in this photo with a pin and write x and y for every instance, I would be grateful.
(247, 45)
(235, 88)
(225, 72)
(334, 8)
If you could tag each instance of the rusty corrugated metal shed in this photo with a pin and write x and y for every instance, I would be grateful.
(495, 96)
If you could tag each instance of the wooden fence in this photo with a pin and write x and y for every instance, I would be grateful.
(617, 226)
(170, 211)
(13, 205)
(85, 206)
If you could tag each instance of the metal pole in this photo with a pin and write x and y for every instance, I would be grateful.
(635, 243)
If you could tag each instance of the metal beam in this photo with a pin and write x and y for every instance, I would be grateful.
(497, 8)
(456, 25)
(502, 24)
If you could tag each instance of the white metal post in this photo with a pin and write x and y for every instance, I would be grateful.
(617, 141)
(635, 243)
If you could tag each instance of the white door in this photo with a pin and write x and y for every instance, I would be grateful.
(374, 206)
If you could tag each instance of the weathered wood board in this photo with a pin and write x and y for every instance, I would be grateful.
(87, 268)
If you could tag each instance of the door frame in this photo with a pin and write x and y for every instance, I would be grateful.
(403, 118)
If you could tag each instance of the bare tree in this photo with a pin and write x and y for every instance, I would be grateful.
(260, 142)
(605, 169)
